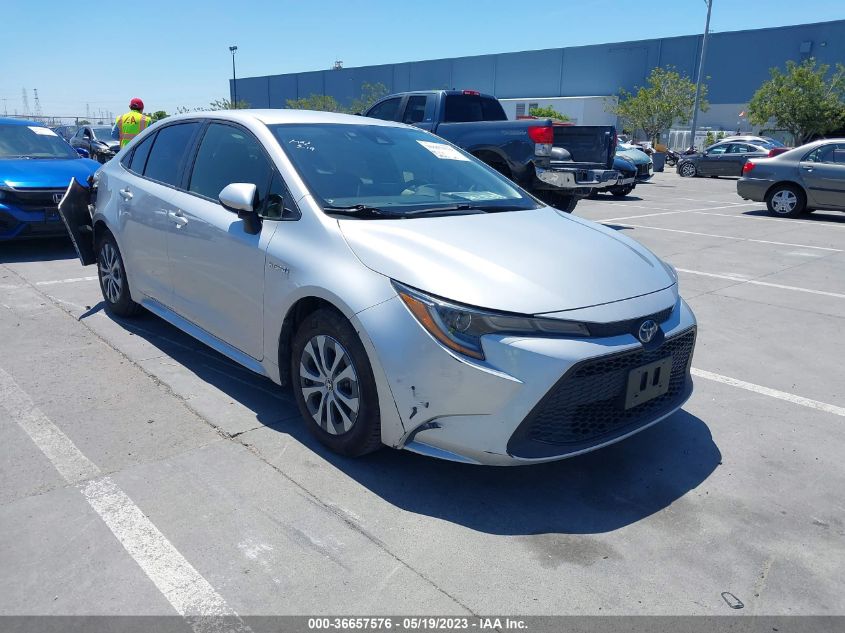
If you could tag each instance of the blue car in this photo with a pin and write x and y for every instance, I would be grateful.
(36, 166)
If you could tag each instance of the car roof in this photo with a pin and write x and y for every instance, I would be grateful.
(807, 147)
(11, 121)
(282, 116)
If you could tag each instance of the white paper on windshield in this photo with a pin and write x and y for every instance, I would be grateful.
(445, 152)
(43, 131)
(476, 196)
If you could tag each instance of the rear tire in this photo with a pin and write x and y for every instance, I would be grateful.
(113, 283)
(561, 202)
(334, 385)
(621, 192)
(785, 201)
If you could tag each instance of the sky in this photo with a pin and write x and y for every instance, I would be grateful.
(174, 53)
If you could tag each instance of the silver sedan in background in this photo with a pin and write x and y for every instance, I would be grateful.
(800, 180)
(409, 294)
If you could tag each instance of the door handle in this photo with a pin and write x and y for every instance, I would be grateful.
(178, 218)
(126, 194)
(807, 168)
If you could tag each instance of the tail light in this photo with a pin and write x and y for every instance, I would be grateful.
(747, 167)
(542, 134)
(543, 137)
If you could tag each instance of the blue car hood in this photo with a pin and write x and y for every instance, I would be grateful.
(45, 173)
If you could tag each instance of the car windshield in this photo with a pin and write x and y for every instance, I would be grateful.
(33, 141)
(393, 171)
(102, 133)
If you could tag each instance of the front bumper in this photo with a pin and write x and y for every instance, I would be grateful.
(508, 409)
(573, 178)
(645, 171)
(17, 223)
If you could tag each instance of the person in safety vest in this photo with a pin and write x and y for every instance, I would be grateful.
(128, 126)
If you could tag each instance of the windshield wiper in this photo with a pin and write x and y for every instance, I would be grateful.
(357, 210)
(463, 207)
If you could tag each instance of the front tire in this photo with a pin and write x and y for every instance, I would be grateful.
(621, 192)
(785, 201)
(113, 283)
(334, 384)
(687, 170)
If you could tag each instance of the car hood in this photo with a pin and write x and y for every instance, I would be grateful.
(634, 155)
(528, 262)
(44, 173)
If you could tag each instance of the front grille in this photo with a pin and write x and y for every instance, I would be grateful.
(642, 170)
(631, 326)
(34, 199)
(586, 406)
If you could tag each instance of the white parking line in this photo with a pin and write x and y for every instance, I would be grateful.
(766, 391)
(184, 587)
(645, 215)
(733, 237)
(64, 281)
(820, 223)
(743, 280)
(665, 212)
(716, 201)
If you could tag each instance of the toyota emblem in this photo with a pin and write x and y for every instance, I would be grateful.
(647, 331)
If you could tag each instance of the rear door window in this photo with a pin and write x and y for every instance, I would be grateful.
(464, 108)
(169, 153)
(415, 109)
(386, 110)
(138, 159)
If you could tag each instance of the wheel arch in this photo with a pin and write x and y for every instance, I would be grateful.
(791, 183)
(392, 428)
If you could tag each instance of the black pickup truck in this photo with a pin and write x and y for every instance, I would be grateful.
(558, 163)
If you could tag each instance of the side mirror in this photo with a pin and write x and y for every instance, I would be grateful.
(239, 197)
(83, 152)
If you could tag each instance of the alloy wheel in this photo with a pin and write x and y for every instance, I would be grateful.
(784, 201)
(688, 170)
(111, 273)
(329, 384)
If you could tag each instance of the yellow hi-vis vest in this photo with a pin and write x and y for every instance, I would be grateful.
(131, 125)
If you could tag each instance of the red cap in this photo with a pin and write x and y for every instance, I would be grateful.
(136, 104)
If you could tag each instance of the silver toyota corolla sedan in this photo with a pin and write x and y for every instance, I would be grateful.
(410, 295)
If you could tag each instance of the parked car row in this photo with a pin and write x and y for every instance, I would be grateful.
(36, 167)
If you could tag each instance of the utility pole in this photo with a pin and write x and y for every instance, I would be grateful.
(25, 103)
(700, 71)
(234, 78)
(5, 111)
(38, 113)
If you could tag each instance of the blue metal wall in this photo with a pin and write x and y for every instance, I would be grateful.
(737, 63)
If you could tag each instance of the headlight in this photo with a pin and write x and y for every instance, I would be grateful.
(460, 328)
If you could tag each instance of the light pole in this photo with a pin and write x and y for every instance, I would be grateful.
(234, 79)
(700, 71)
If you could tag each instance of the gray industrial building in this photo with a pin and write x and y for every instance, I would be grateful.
(737, 63)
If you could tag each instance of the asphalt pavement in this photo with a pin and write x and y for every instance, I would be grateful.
(142, 473)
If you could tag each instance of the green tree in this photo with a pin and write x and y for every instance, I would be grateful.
(667, 97)
(709, 138)
(323, 103)
(370, 93)
(548, 112)
(158, 115)
(803, 100)
(225, 104)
